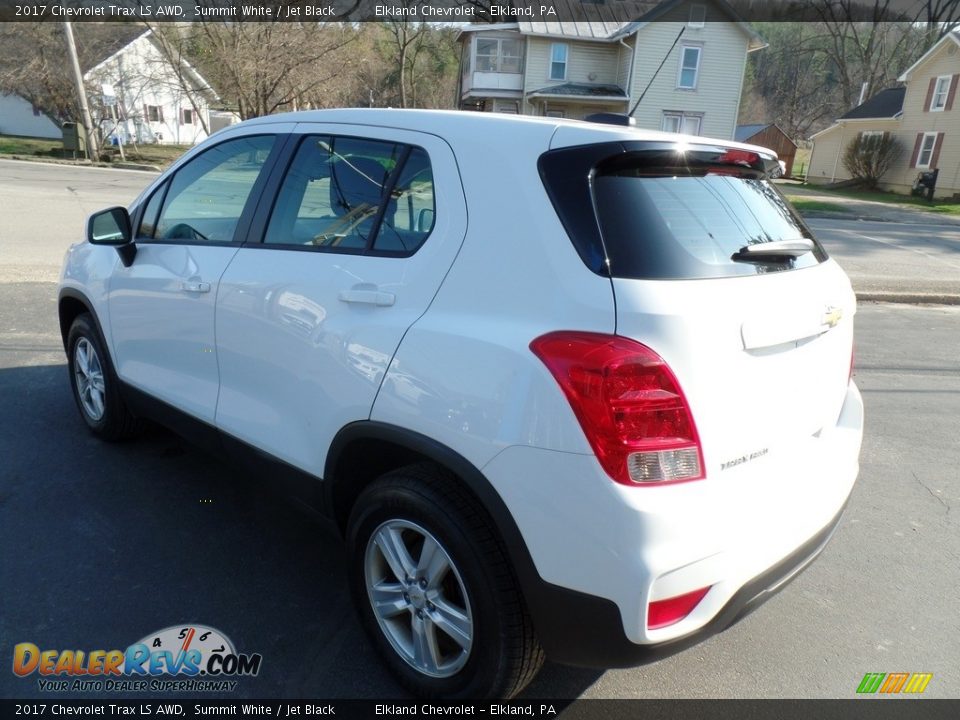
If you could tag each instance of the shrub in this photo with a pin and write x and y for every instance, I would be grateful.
(868, 157)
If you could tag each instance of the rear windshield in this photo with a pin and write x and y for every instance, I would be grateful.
(664, 214)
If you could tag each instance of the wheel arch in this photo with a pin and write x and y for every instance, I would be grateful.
(363, 451)
(72, 303)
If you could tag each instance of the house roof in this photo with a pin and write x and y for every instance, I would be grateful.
(953, 36)
(591, 20)
(885, 104)
(747, 131)
(581, 90)
(743, 133)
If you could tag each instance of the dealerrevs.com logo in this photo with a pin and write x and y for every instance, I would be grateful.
(181, 658)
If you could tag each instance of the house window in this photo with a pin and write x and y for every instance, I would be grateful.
(926, 150)
(698, 14)
(940, 91)
(868, 134)
(679, 122)
(154, 113)
(187, 117)
(689, 67)
(507, 107)
(554, 113)
(558, 61)
(499, 55)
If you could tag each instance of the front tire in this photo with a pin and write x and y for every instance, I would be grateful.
(95, 385)
(435, 590)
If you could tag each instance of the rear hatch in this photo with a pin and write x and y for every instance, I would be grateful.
(714, 271)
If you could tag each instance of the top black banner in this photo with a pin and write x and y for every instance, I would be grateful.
(476, 11)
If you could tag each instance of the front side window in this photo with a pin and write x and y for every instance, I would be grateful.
(689, 67)
(558, 61)
(341, 193)
(926, 150)
(941, 90)
(207, 195)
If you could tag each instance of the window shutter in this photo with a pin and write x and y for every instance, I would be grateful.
(936, 151)
(930, 87)
(953, 91)
(146, 113)
(160, 112)
(916, 150)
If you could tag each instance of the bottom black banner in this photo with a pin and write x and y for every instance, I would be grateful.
(874, 708)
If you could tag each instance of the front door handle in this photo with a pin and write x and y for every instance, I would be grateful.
(195, 286)
(368, 297)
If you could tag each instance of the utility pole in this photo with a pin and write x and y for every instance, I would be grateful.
(81, 92)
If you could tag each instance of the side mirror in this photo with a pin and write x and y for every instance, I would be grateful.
(112, 227)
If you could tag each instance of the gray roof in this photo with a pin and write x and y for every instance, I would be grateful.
(590, 21)
(748, 131)
(885, 104)
(581, 90)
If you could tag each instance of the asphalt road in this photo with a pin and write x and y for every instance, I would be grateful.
(102, 544)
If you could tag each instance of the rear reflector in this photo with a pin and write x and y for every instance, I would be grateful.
(672, 610)
(629, 405)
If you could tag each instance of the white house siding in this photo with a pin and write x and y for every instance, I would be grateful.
(17, 118)
(719, 82)
(826, 159)
(141, 78)
(584, 59)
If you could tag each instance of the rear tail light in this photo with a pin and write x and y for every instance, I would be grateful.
(629, 405)
(662, 613)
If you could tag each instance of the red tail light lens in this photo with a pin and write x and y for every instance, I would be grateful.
(629, 405)
(672, 610)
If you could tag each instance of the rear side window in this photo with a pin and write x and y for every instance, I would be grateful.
(666, 214)
(354, 194)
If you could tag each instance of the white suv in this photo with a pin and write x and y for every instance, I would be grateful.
(569, 390)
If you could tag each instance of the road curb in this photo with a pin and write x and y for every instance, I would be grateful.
(82, 163)
(908, 298)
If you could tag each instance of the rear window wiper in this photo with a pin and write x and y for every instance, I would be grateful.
(777, 251)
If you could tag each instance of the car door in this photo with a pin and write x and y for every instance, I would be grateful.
(349, 254)
(162, 306)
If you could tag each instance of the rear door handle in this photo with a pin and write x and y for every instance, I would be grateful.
(368, 297)
(195, 286)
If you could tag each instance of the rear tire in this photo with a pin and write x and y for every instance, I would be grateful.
(435, 590)
(96, 389)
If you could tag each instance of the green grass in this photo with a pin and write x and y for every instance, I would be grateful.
(160, 155)
(807, 205)
(10, 145)
(938, 206)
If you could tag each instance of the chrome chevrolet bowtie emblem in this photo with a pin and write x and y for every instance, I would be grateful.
(832, 315)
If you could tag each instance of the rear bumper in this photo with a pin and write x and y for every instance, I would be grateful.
(579, 629)
(602, 551)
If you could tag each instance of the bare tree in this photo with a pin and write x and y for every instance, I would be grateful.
(263, 67)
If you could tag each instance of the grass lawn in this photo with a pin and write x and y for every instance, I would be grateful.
(10, 145)
(805, 204)
(161, 155)
(938, 206)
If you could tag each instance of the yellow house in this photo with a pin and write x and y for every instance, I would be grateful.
(923, 115)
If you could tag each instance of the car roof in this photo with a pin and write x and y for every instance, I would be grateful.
(458, 126)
